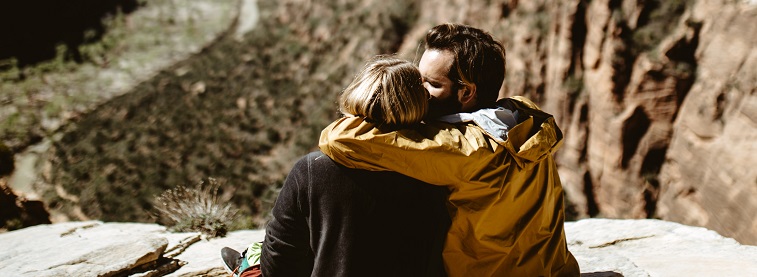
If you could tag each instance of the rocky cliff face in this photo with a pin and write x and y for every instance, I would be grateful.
(708, 178)
(668, 132)
(656, 100)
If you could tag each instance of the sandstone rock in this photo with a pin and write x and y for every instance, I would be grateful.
(605, 247)
(666, 131)
(709, 175)
(94, 248)
(203, 257)
(80, 249)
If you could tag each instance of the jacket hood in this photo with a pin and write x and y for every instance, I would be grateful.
(536, 135)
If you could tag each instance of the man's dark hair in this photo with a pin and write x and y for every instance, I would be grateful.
(479, 59)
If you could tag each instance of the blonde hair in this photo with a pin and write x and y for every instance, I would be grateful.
(387, 91)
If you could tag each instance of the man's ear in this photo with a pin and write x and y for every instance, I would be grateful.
(467, 96)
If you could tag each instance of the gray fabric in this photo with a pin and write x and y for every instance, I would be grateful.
(329, 220)
(496, 121)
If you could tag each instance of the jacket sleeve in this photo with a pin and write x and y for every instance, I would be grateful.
(286, 249)
(436, 153)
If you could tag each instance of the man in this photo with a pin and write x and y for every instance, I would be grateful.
(506, 199)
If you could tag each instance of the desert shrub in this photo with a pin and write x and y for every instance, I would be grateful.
(195, 209)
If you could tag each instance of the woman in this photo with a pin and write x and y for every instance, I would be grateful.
(333, 221)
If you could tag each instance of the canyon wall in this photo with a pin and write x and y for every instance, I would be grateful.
(656, 100)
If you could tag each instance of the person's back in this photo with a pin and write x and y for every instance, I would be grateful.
(333, 221)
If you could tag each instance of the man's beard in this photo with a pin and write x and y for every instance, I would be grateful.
(441, 107)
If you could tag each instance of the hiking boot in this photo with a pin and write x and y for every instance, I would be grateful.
(232, 259)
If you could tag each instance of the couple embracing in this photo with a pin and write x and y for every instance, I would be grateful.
(426, 174)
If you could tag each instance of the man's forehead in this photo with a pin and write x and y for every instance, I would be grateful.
(435, 64)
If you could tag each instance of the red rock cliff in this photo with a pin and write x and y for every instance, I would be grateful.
(656, 100)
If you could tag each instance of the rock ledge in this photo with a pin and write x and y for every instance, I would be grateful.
(603, 247)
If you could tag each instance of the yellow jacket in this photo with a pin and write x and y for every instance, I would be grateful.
(506, 199)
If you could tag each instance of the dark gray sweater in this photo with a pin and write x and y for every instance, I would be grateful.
(333, 221)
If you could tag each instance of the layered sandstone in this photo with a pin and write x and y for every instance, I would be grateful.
(656, 100)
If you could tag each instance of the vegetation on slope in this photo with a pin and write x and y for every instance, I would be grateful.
(239, 111)
(59, 61)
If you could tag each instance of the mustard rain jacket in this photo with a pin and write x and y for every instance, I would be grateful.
(506, 200)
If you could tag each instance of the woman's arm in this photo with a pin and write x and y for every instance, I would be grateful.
(286, 249)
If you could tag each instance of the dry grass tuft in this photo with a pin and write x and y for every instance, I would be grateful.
(196, 209)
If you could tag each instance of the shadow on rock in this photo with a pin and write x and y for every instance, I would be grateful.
(602, 274)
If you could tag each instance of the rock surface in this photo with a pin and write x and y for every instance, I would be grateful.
(80, 249)
(607, 247)
(94, 248)
(668, 133)
(603, 247)
(202, 258)
(709, 177)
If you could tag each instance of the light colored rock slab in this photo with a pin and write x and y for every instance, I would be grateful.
(89, 248)
(178, 242)
(203, 258)
(603, 248)
(656, 248)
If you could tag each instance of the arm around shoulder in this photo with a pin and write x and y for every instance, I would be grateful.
(437, 153)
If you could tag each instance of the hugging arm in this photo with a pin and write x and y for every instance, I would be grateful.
(437, 153)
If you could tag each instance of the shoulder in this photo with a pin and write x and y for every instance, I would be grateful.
(315, 160)
(515, 102)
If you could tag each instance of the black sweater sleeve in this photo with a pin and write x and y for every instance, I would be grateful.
(286, 250)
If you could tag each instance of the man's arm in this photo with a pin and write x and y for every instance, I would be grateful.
(286, 249)
(437, 153)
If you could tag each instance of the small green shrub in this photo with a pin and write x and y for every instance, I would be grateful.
(196, 209)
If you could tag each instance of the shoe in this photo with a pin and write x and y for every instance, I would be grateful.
(232, 259)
